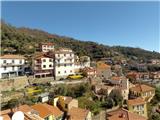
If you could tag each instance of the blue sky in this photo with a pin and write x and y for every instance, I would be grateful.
(134, 24)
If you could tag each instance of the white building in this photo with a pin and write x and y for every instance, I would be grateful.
(64, 63)
(46, 47)
(43, 65)
(11, 65)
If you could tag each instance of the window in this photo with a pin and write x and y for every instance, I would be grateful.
(44, 66)
(58, 60)
(20, 61)
(58, 65)
(70, 54)
(44, 60)
(50, 60)
(65, 60)
(65, 71)
(70, 71)
(64, 55)
(12, 67)
(12, 61)
(4, 61)
(50, 65)
(5, 68)
(70, 64)
(59, 72)
(65, 65)
(58, 55)
(70, 60)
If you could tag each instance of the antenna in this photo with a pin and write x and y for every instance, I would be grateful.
(18, 116)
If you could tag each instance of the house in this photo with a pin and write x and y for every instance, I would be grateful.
(155, 75)
(118, 70)
(43, 65)
(48, 112)
(134, 76)
(122, 84)
(102, 89)
(123, 114)
(29, 113)
(154, 61)
(89, 71)
(103, 70)
(79, 114)
(11, 65)
(65, 103)
(137, 105)
(46, 47)
(142, 90)
(64, 63)
(44, 97)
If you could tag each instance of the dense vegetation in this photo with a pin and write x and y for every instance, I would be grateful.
(25, 41)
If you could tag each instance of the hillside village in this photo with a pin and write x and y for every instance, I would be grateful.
(57, 84)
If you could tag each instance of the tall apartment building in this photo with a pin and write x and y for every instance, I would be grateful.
(43, 65)
(64, 63)
(11, 65)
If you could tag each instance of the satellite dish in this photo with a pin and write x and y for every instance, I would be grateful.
(18, 116)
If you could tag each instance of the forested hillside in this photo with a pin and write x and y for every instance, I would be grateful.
(26, 40)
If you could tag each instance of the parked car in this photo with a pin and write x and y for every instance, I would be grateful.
(75, 76)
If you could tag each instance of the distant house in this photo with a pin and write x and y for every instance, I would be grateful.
(103, 70)
(138, 106)
(89, 71)
(65, 103)
(44, 97)
(155, 75)
(142, 90)
(46, 47)
(79, 114)
(11, 65)
(48, 112)
(123, 114)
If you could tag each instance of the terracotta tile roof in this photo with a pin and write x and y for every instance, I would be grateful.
(6, 117)
(118, 78)
(11, 56)
(142, 88)
(49, 44)
(78, 113)
(43, 111)
(42, 55)
(101, 65)
(137, 101)
(122, 114)
(55, 111)
(25, 108)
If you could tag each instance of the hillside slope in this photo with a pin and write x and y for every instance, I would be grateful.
(26, 40)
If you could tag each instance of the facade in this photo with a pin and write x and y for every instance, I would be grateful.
(65, 102)
(89, 71)
(46, 47)
(138, 106)
(64, 63)
(144, 91)
(123, 114)
(43, 65)
(11, 65)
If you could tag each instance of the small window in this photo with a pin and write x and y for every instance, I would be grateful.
(44, 66)
(70, 71)
(65, 65)
(12, 67)
(50, 60)
(4, 61)
(58, 65)
(50, 65)
(65, 71)
(12, 61)
(59, 72)
(64, 55)
(44, 60)
(5, 68)
(65, 60)
(70, 60)
(58, 60)
(58, 55)
(70, 54)
(20, 61)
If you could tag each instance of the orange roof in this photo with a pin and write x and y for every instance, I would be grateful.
(55, 111)
(102, 65)
(122, 114)
(25, 108)
(142, 88)
(78, 113)
(43, 111)
(118, 78)
(11, 56)
(137, 101)
(6, 117)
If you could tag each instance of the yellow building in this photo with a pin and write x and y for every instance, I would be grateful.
(138, 106)
(144, 91)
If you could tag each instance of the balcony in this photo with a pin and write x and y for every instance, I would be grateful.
(11, 64)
